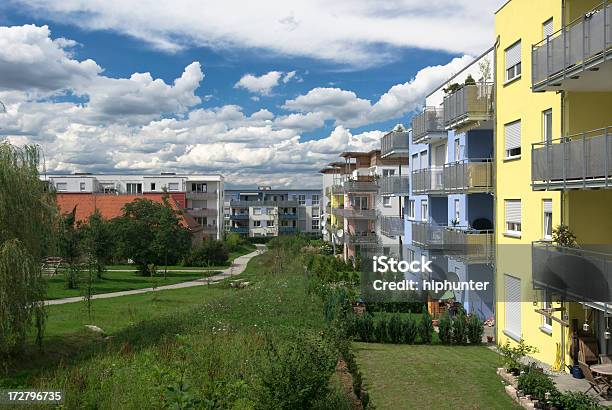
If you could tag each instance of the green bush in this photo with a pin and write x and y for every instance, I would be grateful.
(512, 355)
(575, 401)
(71, 277)
(209, 253)
(233, 242)
(409, 330)
(294, 374)
(459, 329)
(445, 328)
(380, 329)
(395, 329)
(425, 326)
(537, 384)
(367, 328)
(475, 329)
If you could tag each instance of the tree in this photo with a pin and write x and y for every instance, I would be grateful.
(28, 216)
(68, 237)
(210, 253)
(150, 233)
(97, 241)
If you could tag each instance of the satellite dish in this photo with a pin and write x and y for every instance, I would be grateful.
(324, 231)
(340, 233)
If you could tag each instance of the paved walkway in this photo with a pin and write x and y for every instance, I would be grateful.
(237, 267)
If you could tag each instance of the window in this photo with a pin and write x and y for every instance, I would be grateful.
(512, 137)
(415, 162)
(512, 290)
(152, 186)
(173, 186)
(198, 187)
(424, 212)
(513, 61)
(315, 224)
(82, 186)
(301, 200)
(257, 224)
(457, 210)
(315, 199)
(423, 160)
(547, 125)
(547, 28)
(546, 304)
(547, 209)
(386, 200)
(388, 172)
(270, 224)
(315, 212)
(513, 216)
(359, 202)
(411, 209)
(61, 186)
(256, 211)
(457, 149)
(134, 189)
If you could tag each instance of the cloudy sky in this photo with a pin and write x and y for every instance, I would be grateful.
(264, 92)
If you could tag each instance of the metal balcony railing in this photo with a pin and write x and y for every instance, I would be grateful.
(201, 195)
(360, 186)
(239, 217)
(466, 176)
(288, 215)
(580, 45)
(578, 161)
(355, 213)
(427, 235)
(201, 212)
(361, 238)
(287, 229)
(470, 103)
(391, 226)
(574, 273)
(394, 185)
(239, 229)
(431, 120)
(394, 144)
(468, 244)
(246, 204)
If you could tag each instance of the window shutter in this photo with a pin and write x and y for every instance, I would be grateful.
(513, 210)
(512, 287)
(548, 205)
(513, 55)
(548, 27)
(512, 134)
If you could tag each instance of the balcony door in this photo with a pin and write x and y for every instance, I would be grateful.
(438, 161)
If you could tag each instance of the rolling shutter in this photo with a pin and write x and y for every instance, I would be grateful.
(513, 55)
(548, 205)
(512, 135)
(513, 210)
(512, 288)
(547, 27)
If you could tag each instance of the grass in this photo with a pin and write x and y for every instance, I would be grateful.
(119, 281)
(432, 376)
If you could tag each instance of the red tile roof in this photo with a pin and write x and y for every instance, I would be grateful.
(111, 206)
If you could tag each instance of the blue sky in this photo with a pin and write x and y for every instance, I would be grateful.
(338, 81)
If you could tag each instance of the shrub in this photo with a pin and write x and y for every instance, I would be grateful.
(512, 355)
(395, 329)
(425, 326)
(537, 384)
(445, 328)
(209, 253)
(475, 329)
(380, 329)
(71, 277)
(294, 374)
(233, 242)
(410, 330)
(367, 328)
(459, 329)
(575, 401)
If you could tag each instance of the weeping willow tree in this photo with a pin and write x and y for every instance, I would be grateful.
(27, 220)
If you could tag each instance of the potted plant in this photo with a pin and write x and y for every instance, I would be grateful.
(563, 236)
(470, 80)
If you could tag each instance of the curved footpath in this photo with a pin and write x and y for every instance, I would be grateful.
(236, 268)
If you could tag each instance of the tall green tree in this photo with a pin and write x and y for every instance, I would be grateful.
(97, 241)
(150, 233)
(68, 240)
(28, 218)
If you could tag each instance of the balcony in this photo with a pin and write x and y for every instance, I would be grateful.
(428, 125)
(200, 196)
(239, 229)
(355, 213)
(578, 161)
(239, 217)
(573, 273)
(247, 204)
(360, 186)
(577, 57)
(394, 145)
(427, 235)
(468, 244)
(201, 212)
(287, 229)
(362, 238)
(461, 177)
(394, 185)
(209, 228)
(287, 215)
(470, 104)
(391, 226)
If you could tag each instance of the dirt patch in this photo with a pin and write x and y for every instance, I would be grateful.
(346, 379)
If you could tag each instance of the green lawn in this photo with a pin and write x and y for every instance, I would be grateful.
(118, 281)
(432, 376)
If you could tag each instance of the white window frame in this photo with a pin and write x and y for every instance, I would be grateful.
(424, 210)
(513, 227)
(457, 209)
(547, 134)
(257, 224)
(546, 304)
(386, 201)
(173, 186)
(315, 198)
(411, 208)
(257, 211)
(315, 225)
(548, 28)
(511, 147)
(82, 186)
(132, 188)
(61, 186)
(301, 200)
(512, 329)
(513, 66)
(547, 219)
